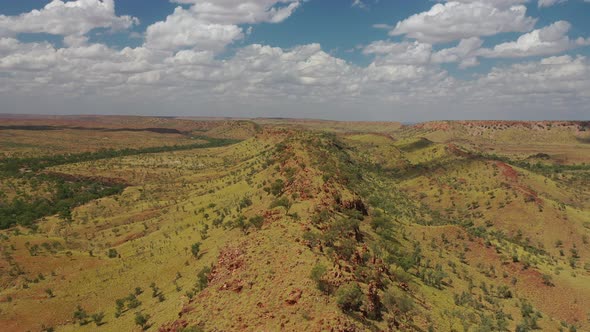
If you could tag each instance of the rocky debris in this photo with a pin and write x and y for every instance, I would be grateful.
(356, 204)
(235, 286)
(404, 286)
(229, 263)
(294, 296)
(454, 149)
(185, 310)
(272, 215)
(343, 326)
(175, 326)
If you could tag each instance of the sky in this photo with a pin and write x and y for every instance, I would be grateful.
(386, 60)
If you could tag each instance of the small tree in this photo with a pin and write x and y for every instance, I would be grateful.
(142, 320)
(195, 249)
(283, 201)
(119, 305)
(97, 318)
(277, 187)
(548, 280)
(349, 297)
(155, 289)
(203, 278)
(397, 302)
(113, 253)
(133, 302)
(81, 316)
(317, 274)
(257, 221)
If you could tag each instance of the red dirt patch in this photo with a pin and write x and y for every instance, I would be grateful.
(454, 149)
(507, 170)
(174, 326)
(129, 237)
(229, 263)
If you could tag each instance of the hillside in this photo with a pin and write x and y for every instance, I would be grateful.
(279, 225)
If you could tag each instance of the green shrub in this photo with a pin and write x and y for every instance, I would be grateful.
(142, 320)
(203, 278)
(81, 316)
(317, 274)
(257, 221)
(195, 249)
(349, 297)
(97, 318)
(396, 301)
(112, 253)
(283, 201)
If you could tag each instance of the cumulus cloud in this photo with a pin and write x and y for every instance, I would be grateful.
(178, 67)
(405, 53)
(417, 53)
(549, 40)
(71, 18)
(183, 29)
(559, 75)
(549, 3)
(240, 12)
(495, 3)
(26, 57)
(459, 20)
(212, 25)
(465, 53)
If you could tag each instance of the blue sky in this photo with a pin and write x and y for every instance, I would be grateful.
(269, 57)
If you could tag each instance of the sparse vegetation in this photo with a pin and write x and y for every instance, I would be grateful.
(351, 230)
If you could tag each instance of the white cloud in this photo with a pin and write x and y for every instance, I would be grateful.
(549, 3)
(460, 20)
(265, 78)
(549, 40)
(242, 11)
(177, 69)
(212, 25)
(405, 53)
(27, 57)
(465, 53)
(495, 3)
(359, 4)
(71, 18)
(560, 75)
(417, 53)
(383, 26)
(182, 29)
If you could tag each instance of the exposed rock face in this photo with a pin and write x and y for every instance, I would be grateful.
(356, 204)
